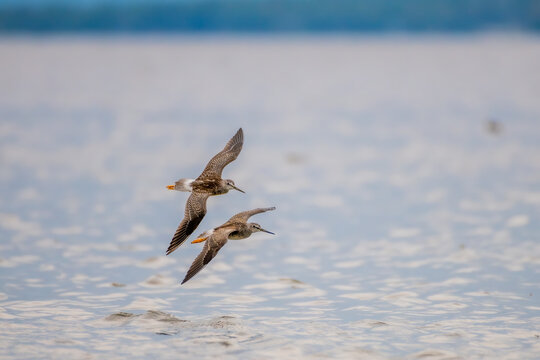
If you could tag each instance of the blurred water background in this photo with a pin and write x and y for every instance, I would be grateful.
(405, 169)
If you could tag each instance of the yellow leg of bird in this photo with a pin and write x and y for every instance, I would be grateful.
(199, 240)
(170, 187)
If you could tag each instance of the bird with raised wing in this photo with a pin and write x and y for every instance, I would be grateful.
(209, 183)
(236, 228)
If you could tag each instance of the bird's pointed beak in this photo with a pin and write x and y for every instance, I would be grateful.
(266, 231)
(235, 188)
(170, 187)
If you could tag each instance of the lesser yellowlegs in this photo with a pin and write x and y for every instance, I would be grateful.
(235, 228)
(209, 183)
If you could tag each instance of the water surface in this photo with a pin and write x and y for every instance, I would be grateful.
(405, 172)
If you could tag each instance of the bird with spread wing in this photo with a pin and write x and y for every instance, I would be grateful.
(236, 228)
(209, 183)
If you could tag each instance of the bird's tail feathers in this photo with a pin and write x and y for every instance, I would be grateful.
(183, 185)
(205, 234)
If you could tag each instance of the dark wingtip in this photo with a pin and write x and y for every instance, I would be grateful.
(170, 249)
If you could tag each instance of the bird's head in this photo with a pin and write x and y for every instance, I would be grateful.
(254, 227)
(229, 184)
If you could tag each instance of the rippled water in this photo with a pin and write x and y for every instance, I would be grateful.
(405, 172)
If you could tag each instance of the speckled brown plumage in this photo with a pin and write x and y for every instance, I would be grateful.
(235, 228)
(209, 183)
(230, 152)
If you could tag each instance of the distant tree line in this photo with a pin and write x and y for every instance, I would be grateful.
(275, 15)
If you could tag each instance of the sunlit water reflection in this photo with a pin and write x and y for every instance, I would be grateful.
(405, 173)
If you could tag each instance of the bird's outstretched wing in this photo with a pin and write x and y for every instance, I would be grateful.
(211, 247)
(195, 211)
(245, 215)
(228, 154)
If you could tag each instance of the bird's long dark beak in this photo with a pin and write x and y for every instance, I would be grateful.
(266, 231)
(235, 188)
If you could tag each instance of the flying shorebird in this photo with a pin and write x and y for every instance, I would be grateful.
(209, 183)
(236, 228)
